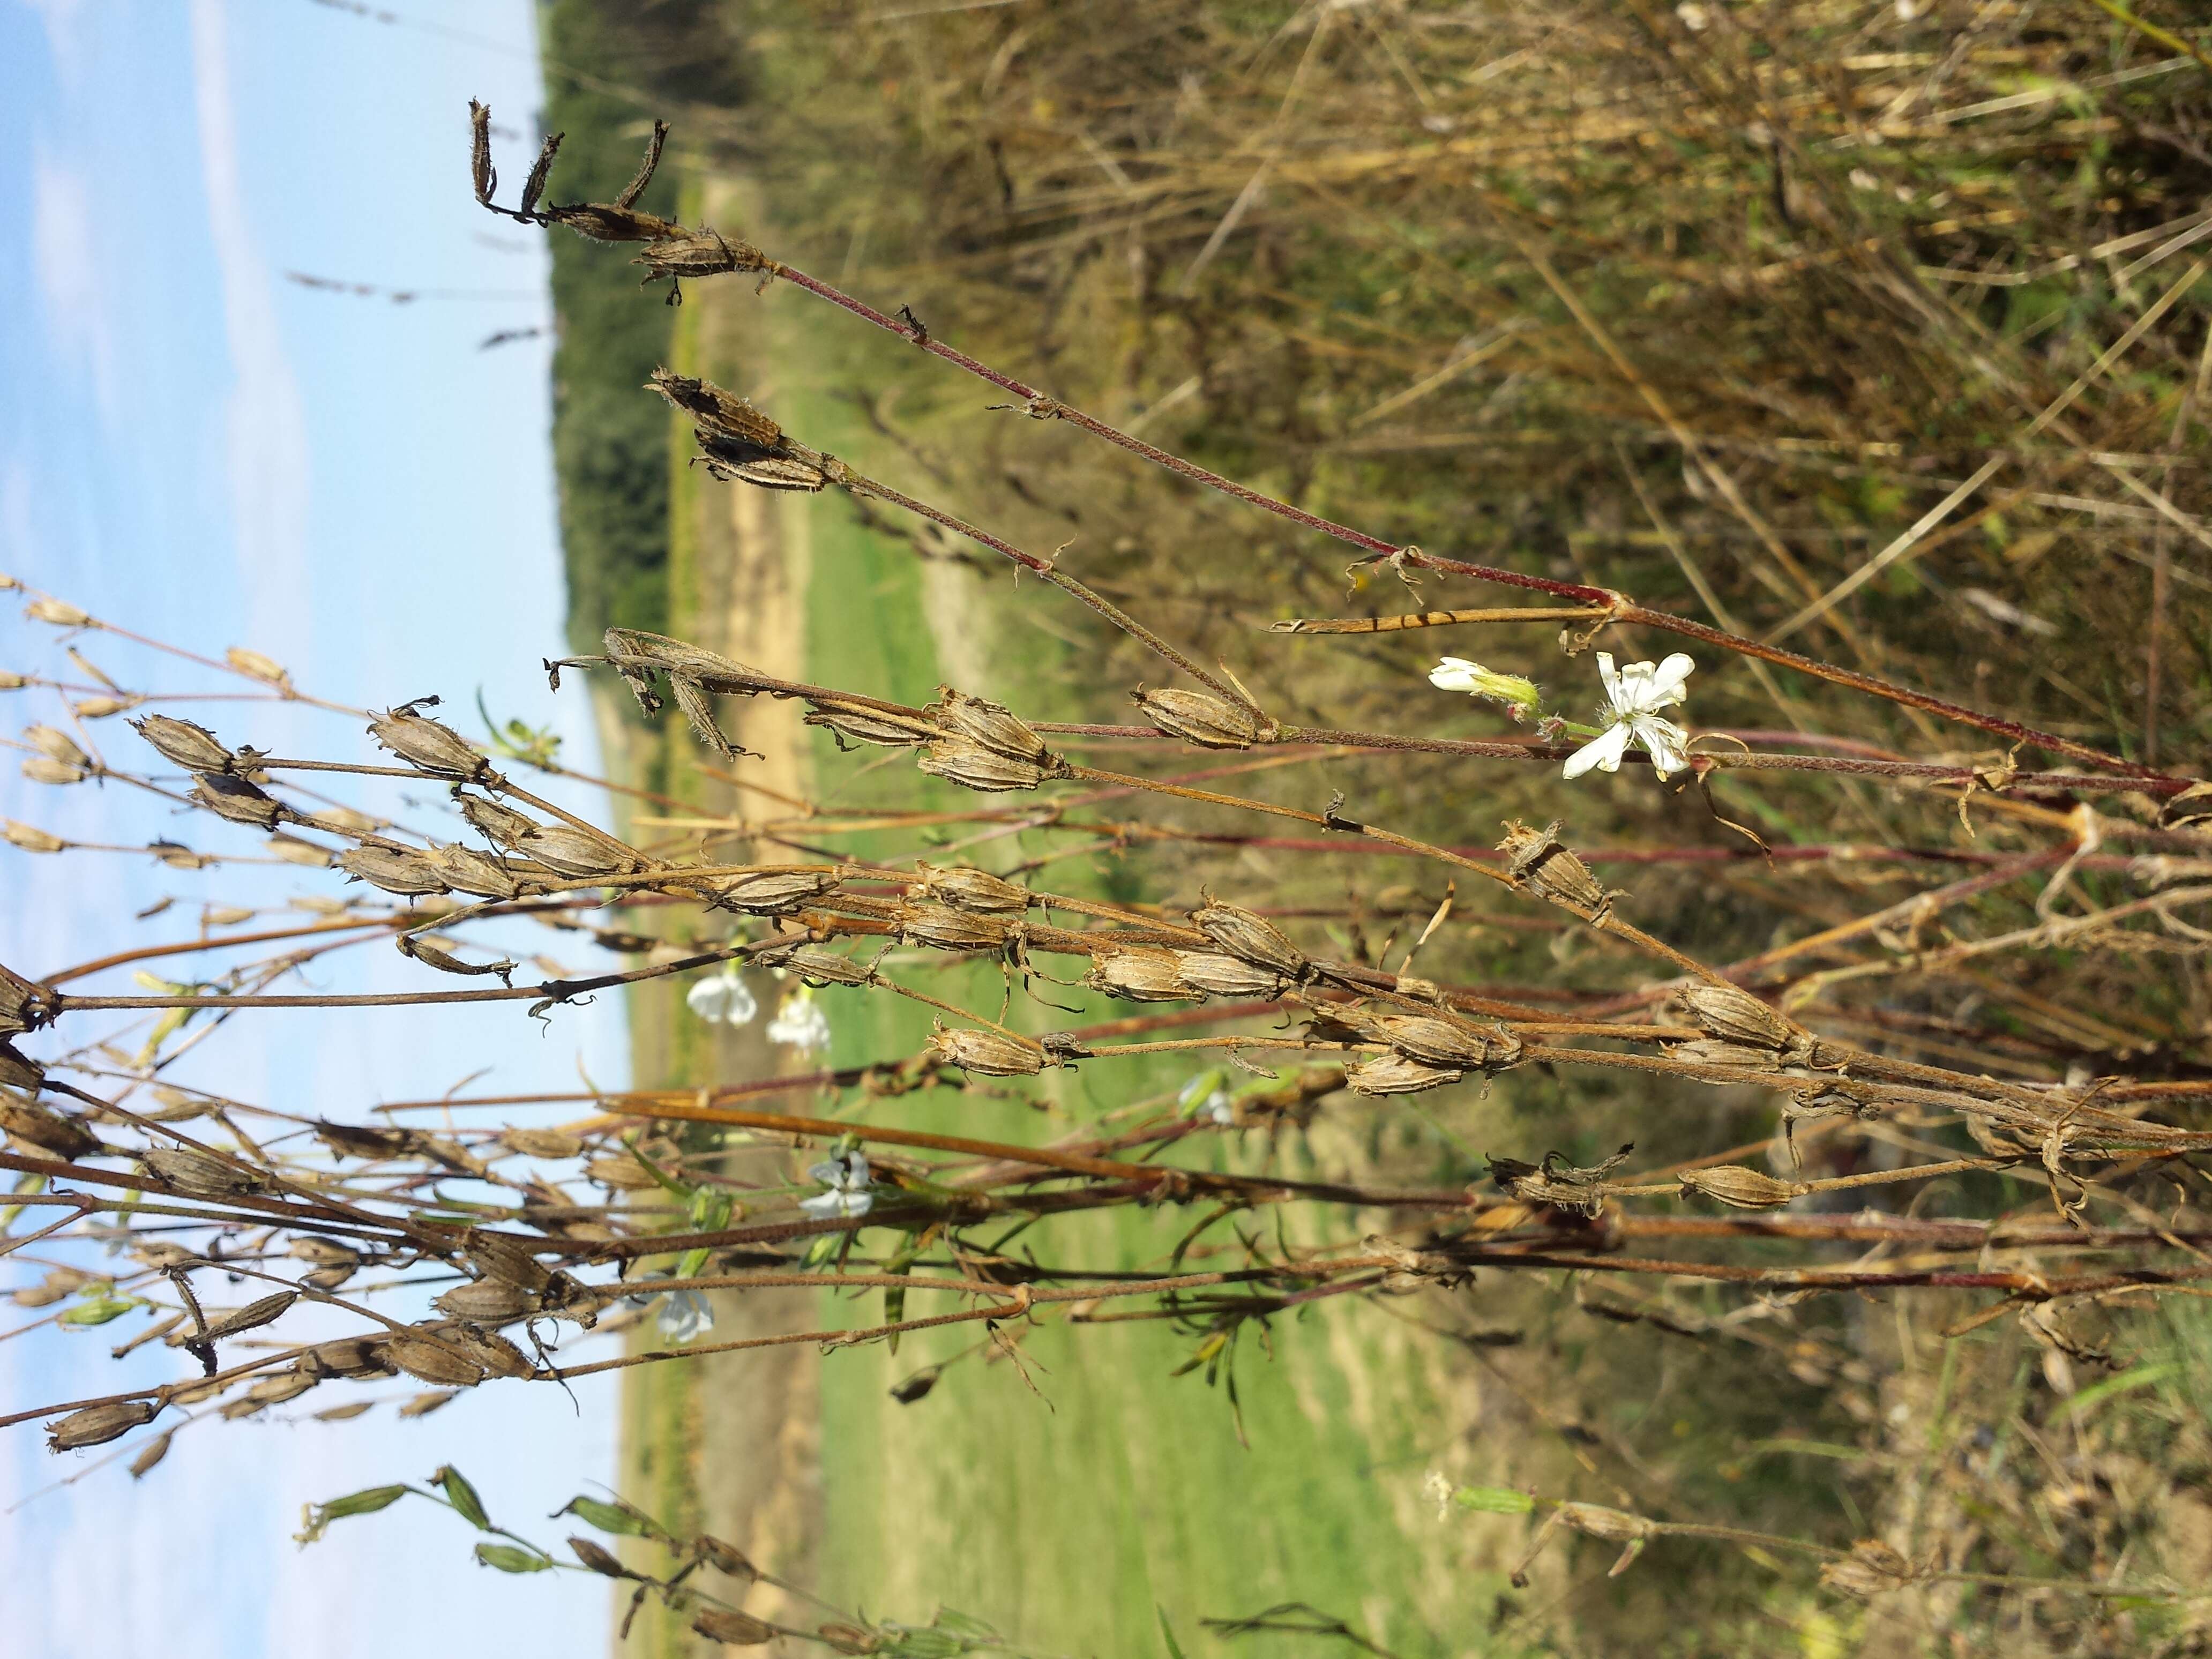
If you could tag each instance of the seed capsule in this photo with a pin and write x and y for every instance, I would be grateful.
(199, 1175)
(425, 743)
(737, 1630)
(101, 708)
(1249, 938)
(250, 1317)
(1201, 718)
(1708, 1051)
(1140, 975)
(48, 1130)
(395, 869)
(1218, 975)
(293, 850)
(542, 1143)
(1735, 1015)
(1740, 1188)
(869, 725)
(990, 724)
(324, 1252)
(986, 1053)
(978, 890)
(30, 840)
(182, 743)
(56, 746)
(599, 1558)
(717, 413)
(1448, 1043)
(96, 1425)
(958, 760)
(39, 770)
(60, 612)
(572, 851)
(24, 1006)
(465, 870)
(791, 472)
(1395, 1074)
(253, 665)
(943, 929)
(495, 823)
(773, 892)
(486, 1303)
(1535, 859)
(442, 1361)
(359, 1358)
(634, 649)
(817, 966)
(238, 801)
(1872, 1568)
(275, 1390)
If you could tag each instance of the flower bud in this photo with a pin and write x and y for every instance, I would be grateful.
(1216, 974)
(30, 840)
(425, 743)
(395, 869)
(943, 929)
(1740, 1188)
(1140, 975)
(254, 665)
(986, 1052)
(47, 1130)
(979, 890)
(96, 1425)
(1249, 938)
(1204, 719)
(56, 746)
(1395, 1074)
(772, 893)
(60, 612)
(1458, 674)
(185, 745)
(958, 760)
(990, 724)
(39, 770)
(238, 801)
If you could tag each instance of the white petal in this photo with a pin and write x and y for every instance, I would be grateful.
(1604, 752)
(1666, 681)
(708, 999)
(1454, 674)
(1613, 694)
(823, 1205)
(1663, 740)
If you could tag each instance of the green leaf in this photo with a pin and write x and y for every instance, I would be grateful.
(508, 1558)
(462, 1496)
(320, 1516)
(1168, 1635)
(617, 1517)
(1493, 1500)
(2142, 1376)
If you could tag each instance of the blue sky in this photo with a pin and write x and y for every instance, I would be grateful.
(192, 446)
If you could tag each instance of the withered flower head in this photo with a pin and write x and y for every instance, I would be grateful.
(1204, 719)
(718, 414)
(19, 1071)
(482, 176)
(960, 761)
(543, 1143)
(29, 838)
(430, 745)
(990, 724)
(986, 1052)
(39, 770)
(1249, 938)
(1871, 1569)
(1140, 975)
(182, 743)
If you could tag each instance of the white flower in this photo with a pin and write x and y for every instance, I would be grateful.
(845, 1177)
(800, 1022)
(723, 997)
(684, 1315)
(1458, 674)
(1635, 694)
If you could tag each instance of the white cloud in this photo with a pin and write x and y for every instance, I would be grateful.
(265, 418)
(73, 280)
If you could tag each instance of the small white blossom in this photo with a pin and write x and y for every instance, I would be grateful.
(723, 997)
(845, 1179)
(1458, 674)
(1634, 695)
(684, 1315)
(800, 1023)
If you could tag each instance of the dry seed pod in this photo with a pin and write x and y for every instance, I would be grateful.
(48, 1130)
(39, 770)
(156, 1450)
(943, 929)
(238, 801)
(465, 870)
(619, 1173)
(1735, 1015)
(359, 1358)
(60, 612)
(199, 1175)
(56, 746)
(58, 1286)
(1740, 1188)
(817, 966)
(958, 760)
(606, 223)
(2192, 806)
(1395, 1074)
(869, 725)
(498, 1355)
(599, 1559)
(418, 947)
(191, 1393)
(293, 850)
(395, 869)
(734, 1629)
(96, 1425)
(182, 743)
(1535, 859)
(323, 1252)
(30, 840)
(24, 1006)
(482, 174)
(724, 1558)
(768, 472)
(1249, 938)
(1447, 1042)
(364, 1140)
(250, 1317)
(990, 724)
(772, 893)
(440, 1360)
(254, 665)
(19, 1071)
(542, 1143)
(179, 856)
(979, 890)
(12, 682)
(495, 822)
(1872, 1568)
(1710, 1051)
(101, 708)
(572, 851)
(1201, 718)
(488, 1302)
(986, 1052)
(1216, 975)
(701, 252)
(699, 710)
(285, 1385)
(434, 747)
(1142, 975)
(717, 413)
